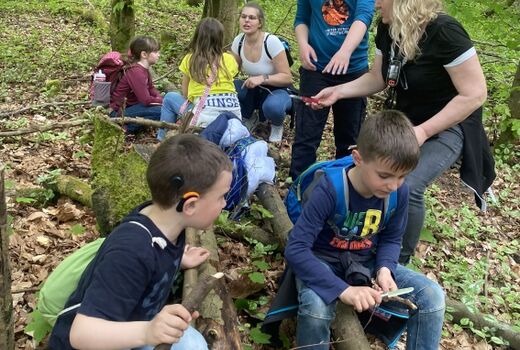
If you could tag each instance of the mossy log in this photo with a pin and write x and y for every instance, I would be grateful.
(459, 311)
(347, 330)
(218, 318)
(72, 187)
(118, 175)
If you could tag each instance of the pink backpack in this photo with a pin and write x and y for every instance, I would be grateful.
(111, 64)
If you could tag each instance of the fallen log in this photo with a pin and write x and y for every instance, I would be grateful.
(190, 275)
(192, 301)
(348, 330)
(271, 200)
(218, 319)
(459, 311)
(72, 187)
(252, 231)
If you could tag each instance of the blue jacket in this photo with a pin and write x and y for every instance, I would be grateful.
(311, 237)
(329, 23)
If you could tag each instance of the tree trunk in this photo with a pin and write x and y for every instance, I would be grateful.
(6, 299)
(226, 12)
(218, 318)
(122, 24)
(346, 327)
(460, 311)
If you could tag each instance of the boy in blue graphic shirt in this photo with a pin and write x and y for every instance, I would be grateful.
(120, 301)
(332, 265)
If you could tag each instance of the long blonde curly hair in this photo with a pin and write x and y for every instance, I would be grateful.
(409, 19)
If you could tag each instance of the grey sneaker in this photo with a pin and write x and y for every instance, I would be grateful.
(251, 123)
(276, 133)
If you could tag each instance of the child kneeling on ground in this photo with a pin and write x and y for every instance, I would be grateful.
(321, 258)
(120, 302)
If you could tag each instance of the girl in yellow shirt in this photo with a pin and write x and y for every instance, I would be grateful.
(205, 67)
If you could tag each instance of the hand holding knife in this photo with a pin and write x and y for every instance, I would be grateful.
(305, 99)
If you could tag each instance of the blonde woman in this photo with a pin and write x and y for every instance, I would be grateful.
(428, 61)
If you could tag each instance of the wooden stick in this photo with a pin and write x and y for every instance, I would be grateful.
(43, 105)
(201, 289)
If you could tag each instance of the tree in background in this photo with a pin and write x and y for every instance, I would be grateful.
(511, 134)
(122, 24)
(226, 12)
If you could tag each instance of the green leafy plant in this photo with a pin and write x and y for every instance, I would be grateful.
(77, 229)
(38, 327)
(49, 177)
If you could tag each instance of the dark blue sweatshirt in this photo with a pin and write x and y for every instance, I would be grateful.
(365, 219)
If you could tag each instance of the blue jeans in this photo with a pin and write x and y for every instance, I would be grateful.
(437, 154)
(171, 106)
(348, 116)
(190, 340)
(273, 106)
(424, 326)
(140, 110)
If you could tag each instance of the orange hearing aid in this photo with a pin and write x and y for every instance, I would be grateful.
(184, 198)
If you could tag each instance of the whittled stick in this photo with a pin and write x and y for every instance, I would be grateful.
(195, 298)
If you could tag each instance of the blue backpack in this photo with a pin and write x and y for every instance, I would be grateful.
(302, 187)
(237, 194)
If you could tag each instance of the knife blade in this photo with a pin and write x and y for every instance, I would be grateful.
(397, 292)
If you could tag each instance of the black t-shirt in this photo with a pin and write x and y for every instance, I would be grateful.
(429, 86)
(129, 279)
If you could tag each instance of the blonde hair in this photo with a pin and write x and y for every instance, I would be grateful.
(409, 19)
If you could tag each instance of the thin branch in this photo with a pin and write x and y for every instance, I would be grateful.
(25, 290)
(487, 43)
(40, 128)
(164, 75)
(43, 105)
(283, 20)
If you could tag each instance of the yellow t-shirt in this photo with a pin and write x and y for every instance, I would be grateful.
(222, 85)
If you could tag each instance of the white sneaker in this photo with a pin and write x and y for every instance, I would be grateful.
(251, 123)
(276, 133)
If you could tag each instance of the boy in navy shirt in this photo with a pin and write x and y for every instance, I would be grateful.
(340, 265)
(120, 302)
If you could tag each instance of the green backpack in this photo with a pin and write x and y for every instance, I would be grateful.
(63, 281)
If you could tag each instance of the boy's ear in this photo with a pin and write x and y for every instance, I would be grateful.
(188, 207)
(356, 157)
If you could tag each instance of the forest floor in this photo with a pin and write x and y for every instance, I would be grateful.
(46, 57)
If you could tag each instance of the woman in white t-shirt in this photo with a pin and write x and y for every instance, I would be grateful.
(262, 57)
